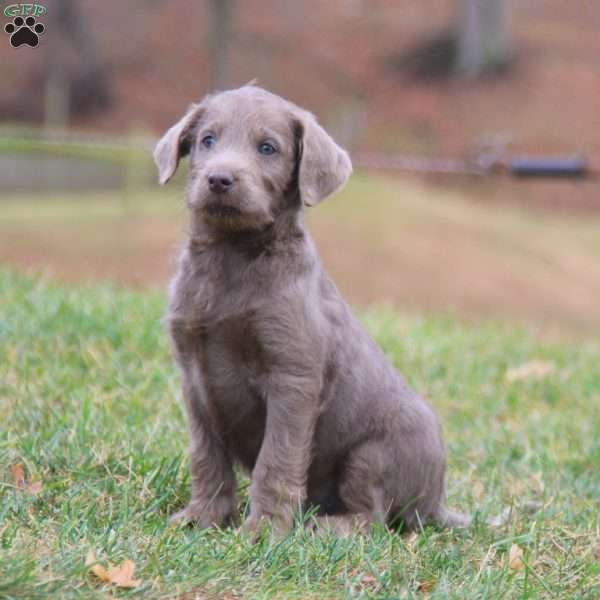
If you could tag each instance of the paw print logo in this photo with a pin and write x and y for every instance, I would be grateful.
(24, 31)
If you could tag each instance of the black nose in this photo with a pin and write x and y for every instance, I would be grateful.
(220, 182)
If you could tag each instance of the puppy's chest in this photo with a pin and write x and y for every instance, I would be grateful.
(235, 339)
(234, 364)
(224, 312)
(219, 298)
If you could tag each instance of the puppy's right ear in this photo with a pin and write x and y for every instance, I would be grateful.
(175, 144)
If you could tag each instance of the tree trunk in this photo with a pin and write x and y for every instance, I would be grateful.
(483, 36)
(56, 93)
(72, 89)
(57, 103)
(220, 43)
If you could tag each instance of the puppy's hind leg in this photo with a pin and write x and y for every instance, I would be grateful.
(361, 488)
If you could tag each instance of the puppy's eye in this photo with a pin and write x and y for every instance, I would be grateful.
(266, 148)
(208, 141)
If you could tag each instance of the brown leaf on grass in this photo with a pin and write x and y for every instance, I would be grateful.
(121, 575)
(96, 568)
(597, 551)
(515, 558)
(18, 474)
(535, 369)
(426, 586)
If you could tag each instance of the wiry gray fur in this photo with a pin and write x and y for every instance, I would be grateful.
(278, 375)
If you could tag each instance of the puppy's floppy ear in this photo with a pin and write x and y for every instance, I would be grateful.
(176, 143)
(324, 166)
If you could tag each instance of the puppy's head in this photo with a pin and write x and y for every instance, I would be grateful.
(253, 155)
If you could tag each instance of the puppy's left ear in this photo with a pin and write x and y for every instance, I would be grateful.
(323, 167)
(175, 144)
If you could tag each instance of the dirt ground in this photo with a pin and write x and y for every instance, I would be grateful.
(387, 241)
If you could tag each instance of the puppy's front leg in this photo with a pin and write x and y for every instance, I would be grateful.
(213, 484)
(278, 487)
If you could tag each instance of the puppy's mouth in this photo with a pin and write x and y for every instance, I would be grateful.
(225, 216)
(229, 213)
(220, 210)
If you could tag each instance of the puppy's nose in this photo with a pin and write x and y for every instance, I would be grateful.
(219, 183)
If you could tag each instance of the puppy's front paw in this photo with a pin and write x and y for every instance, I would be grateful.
(218, 513)
(342, 526)
(256, 526)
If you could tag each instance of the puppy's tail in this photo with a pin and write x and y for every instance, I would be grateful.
(447, 517)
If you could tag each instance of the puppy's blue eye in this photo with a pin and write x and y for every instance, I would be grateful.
(208, 141)
(266, 149)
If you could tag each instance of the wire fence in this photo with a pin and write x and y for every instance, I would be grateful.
(112, 161)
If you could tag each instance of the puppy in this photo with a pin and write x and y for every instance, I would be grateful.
(278, 375)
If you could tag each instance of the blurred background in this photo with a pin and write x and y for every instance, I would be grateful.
(424, 94)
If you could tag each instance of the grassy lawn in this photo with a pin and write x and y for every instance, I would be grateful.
(89, 406)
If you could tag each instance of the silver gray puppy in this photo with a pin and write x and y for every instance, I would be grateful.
(278, 375)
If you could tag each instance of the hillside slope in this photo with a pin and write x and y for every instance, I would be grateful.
(93, 444)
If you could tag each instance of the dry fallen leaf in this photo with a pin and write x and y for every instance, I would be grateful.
(426, 586)
(515, 558)
(121, 576)
(597, 552)
(18, 474)
(535, 369)
(97, 569)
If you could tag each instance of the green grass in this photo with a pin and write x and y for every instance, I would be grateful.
(89, 403)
